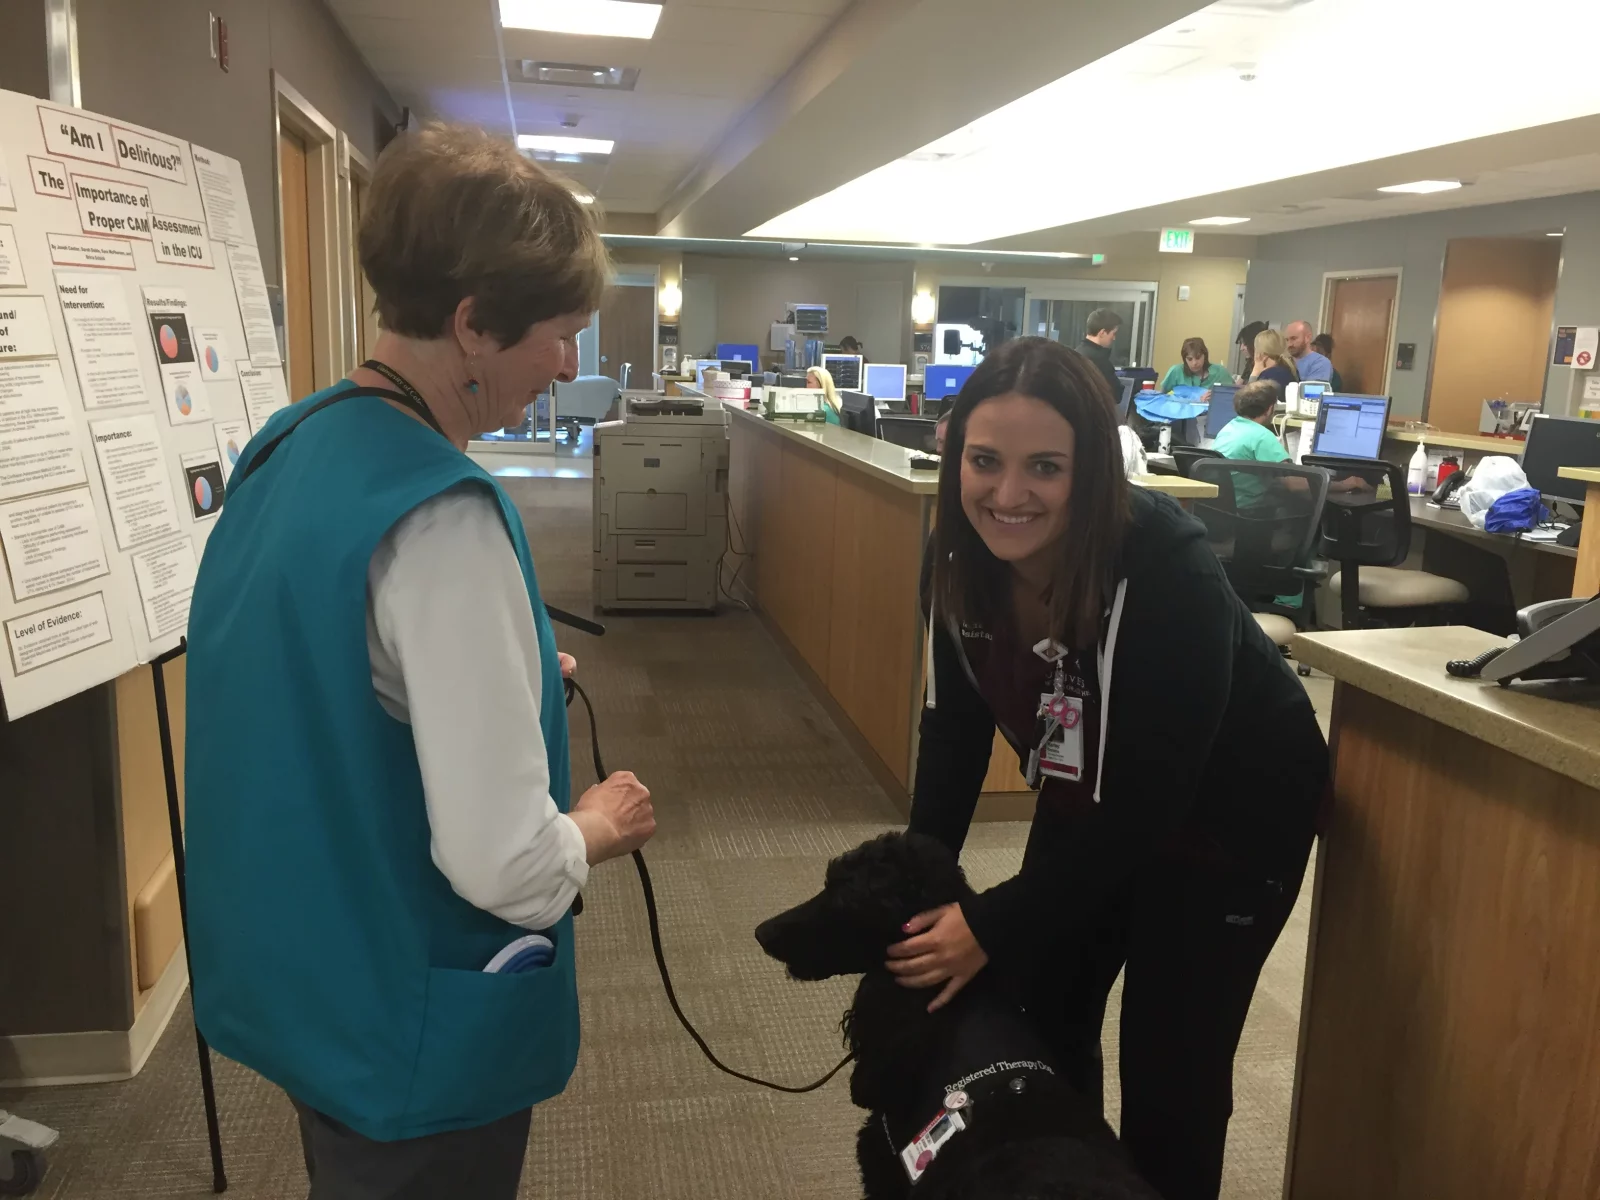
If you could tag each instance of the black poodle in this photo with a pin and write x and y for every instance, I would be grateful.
(965, 1103)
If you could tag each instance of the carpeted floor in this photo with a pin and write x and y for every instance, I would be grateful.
(755, 790)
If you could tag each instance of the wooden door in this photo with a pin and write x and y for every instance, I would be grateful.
(1496, 304)
(1361, 320)
(366, 315)
(628, 333)
(294, 200)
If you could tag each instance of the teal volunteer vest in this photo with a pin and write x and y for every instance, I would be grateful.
(329, 953)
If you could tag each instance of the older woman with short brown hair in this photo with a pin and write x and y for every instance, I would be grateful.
(378, 784)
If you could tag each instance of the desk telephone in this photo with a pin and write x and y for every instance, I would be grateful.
(1559, 639)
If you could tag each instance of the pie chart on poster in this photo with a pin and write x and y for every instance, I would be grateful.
(184, 401)
(213, 363)
(169, 342)
(202, 494)
(233, 453)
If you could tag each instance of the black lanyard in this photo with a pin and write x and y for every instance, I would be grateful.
(409, 400)
(409, 397)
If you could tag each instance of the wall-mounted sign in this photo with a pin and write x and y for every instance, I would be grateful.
(1566, 335)
(1405, 356)
(1585, 347)
(1177, 241)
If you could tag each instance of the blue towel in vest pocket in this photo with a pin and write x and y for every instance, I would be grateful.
(493, 1041)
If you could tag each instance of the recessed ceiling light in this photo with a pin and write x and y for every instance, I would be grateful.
(594, 18)
(550, 144)
(1219, 220)
(1557, 233)
(583, 197)
(794, 258)
(1423, 187)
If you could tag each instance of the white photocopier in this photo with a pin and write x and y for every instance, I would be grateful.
(660, 504)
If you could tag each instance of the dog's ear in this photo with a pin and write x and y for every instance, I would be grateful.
(884, 1027)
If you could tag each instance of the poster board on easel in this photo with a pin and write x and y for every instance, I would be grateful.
(137, 355)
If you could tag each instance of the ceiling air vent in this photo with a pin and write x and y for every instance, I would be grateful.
(611, 79)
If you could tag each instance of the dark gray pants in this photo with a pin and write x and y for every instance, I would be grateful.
(484, 1163)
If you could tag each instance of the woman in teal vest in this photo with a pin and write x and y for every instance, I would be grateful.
(377, 776)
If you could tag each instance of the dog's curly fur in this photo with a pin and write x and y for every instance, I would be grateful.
(1044, 1144)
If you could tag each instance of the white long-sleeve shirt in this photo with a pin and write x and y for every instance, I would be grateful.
(455, 655)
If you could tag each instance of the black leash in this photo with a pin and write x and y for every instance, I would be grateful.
(655, 932)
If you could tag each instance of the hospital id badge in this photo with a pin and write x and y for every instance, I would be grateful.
(1061, 755)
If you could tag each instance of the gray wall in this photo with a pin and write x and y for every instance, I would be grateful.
(1285, 281)
(149, 62)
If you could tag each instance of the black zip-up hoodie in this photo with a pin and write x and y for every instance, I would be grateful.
(1206, 739)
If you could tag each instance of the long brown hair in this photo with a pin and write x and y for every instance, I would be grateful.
(970, 583)
(1195, 347)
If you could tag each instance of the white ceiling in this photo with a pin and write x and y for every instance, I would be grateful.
(709, 61)
(745, 109)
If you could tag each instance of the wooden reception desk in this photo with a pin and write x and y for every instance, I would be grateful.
(830, 527)
(1450, 1030)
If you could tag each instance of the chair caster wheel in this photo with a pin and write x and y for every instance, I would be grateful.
(1303, 671)
(27, 1171)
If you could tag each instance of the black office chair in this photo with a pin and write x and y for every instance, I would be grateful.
(1187, 456)
(1368, 533)
(914, 433)
(1267, 543)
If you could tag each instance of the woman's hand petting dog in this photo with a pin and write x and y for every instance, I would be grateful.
(941, 950)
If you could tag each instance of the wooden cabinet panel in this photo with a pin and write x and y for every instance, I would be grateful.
(875, 643)
(1451, 1029)
(804, 525)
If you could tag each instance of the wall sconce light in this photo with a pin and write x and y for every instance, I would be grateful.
(923, 308)
(671, 299)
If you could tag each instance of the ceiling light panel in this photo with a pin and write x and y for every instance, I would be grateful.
(614, 79)
(1422, 187)
(541, 143)
(589, 18)
(1004, 175)
(1219, 220)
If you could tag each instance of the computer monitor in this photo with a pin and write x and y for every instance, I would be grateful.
(1221, 410)
(737, 367)
(742, 351)
(1125, 400)
(945, 380)
(1351, 426)
(1139, 375)
(886, 381)
(858, 411)
(845, 369)
(1556, 442)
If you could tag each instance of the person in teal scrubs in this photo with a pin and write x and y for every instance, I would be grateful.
(1196, 369)
(821, 377)
(377, 779)
(1249, 437)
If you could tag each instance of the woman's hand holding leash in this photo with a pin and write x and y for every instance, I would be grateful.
(940, 950)
(615, 817)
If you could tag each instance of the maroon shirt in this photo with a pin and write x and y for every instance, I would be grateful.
(1011, 678)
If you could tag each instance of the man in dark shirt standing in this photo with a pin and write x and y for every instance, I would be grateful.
(1096, 347)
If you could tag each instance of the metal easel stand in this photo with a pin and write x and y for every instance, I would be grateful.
(219, 1177)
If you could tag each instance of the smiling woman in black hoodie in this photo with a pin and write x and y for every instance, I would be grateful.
(1178, 760)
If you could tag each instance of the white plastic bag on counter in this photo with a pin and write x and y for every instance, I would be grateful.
(1495, 476)
(1133, 458)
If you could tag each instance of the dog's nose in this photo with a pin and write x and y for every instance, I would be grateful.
(767, 935)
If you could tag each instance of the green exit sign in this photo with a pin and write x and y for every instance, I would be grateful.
(1177, 241)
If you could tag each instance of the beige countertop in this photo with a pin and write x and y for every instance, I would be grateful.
(1179, 487)
(892, 464)
(1553, 724)
(1458, 441)
(882, 460)
(1582, 474)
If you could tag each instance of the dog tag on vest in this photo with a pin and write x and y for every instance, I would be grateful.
(919, 1155)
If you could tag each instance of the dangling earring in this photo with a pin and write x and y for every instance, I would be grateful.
(472, 374)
